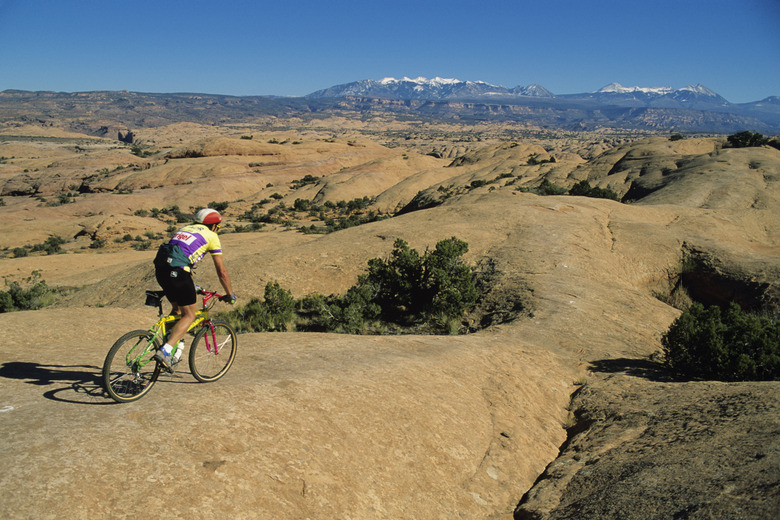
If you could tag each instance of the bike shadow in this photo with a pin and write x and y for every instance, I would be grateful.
(82, 380)
(83, 383)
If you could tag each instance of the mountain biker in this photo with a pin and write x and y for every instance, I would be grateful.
(173, 265)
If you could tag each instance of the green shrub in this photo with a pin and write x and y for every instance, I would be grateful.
(50, 246)
(358, 204)
(584, 189)
(219, 206)
(411, 288)
(431, 291)
(172, 211)
(731, 345)
(181, 217)
(307, 179)
(344, 214)
(35, 295)
(533, 160)
(351, 313)
(396, 282)
(140, 150)
(548, 188)
(746, 139)
(276, 312)
(302, 205)
(19, 252)
(448, 280)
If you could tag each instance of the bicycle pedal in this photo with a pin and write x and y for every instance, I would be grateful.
(159, 358)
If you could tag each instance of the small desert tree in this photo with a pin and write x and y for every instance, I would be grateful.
(448, 282)
(746, 139)
(732, 345)
(396, 281)
(412, 287)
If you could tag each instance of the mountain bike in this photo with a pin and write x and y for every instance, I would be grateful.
(130, 370)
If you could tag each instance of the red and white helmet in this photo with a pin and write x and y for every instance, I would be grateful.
(208, 216)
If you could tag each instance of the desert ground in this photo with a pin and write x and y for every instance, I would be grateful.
(560, 411)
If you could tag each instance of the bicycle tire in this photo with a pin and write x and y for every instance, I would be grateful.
(205, 365)
(125, 380)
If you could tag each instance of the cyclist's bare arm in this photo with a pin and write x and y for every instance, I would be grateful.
(222, 274)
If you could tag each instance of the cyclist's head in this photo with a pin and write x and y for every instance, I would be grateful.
(208, 217)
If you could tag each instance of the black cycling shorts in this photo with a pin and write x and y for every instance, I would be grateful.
(177, 284)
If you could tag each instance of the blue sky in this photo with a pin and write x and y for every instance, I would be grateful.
(296, 47)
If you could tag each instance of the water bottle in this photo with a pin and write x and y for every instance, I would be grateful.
(179, 350)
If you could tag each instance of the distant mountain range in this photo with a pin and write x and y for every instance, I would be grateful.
(691, 108)
(694, 109)
(443, 89)
(431, 89)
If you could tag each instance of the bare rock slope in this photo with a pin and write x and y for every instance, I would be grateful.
(648, 447)
(337, 426)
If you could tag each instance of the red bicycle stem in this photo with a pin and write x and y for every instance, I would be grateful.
(207, 295)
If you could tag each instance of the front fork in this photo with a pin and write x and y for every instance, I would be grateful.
(212, 346)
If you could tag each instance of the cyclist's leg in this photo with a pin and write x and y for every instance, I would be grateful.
(180, 291)
(180, 328)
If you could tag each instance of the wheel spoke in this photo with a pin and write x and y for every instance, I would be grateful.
(212, 352)
(128, 371)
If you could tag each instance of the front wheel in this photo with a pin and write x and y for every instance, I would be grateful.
(213, 353)
(129, 371)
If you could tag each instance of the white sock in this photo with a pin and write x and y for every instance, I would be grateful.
(167, 348)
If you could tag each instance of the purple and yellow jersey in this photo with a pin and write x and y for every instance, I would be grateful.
(195, 241)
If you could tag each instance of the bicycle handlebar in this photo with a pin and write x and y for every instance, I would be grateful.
(207, 295)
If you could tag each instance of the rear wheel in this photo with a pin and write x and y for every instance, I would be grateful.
(211, 355)
(129, 371)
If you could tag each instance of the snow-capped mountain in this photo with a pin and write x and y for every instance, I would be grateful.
(428, 89)
(692, 96)
(617, 88)
(533, 90)
(690, 91)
